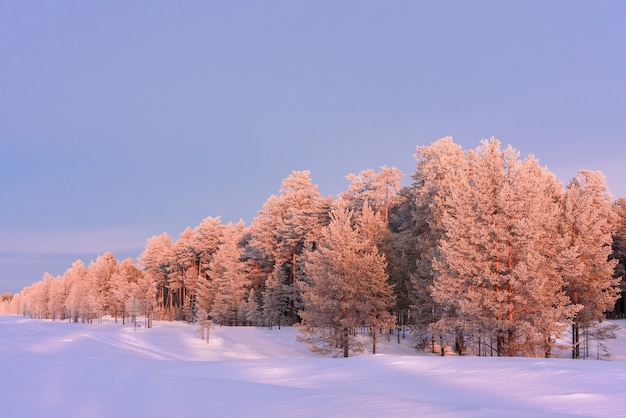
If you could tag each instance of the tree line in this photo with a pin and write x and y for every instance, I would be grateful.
(484, 253)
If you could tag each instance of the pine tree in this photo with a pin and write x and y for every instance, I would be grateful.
(275, 301)
(252, 308)
(207, 237)
(441, 168)
(58, 291)
(229, 281)
(257, 268)
(156, 263)
(144, 297)
(205, 295)
(127, 275)
(119, 293)
(589, 222)
(402, 256)
(619, 254)
(498, 275)
(348, 289)
(45, 303)
(183, 258)
(371, 196)
(205, 240)
(75, 304)
(286, 227)
(106, 267)
(186, 265)
(535, 248)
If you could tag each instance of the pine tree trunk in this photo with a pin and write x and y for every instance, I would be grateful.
(346, 330)
(459, 342)
(575, 341)
(511, 349)
(374, 331)
(500, 348)
(586, 336)
(547, 352)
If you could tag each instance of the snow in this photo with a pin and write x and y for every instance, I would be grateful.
(57, 369)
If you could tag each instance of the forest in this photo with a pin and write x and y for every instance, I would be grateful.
(483, 254)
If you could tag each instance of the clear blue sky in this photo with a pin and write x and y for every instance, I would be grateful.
(123, 120)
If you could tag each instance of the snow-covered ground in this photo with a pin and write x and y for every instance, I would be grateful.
(57, 369)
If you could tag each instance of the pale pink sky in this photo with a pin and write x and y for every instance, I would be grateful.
(119, 120)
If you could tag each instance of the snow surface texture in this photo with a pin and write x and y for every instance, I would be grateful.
(57, 369)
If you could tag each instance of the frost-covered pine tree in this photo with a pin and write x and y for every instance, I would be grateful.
(287, 227)
(37, 297)
(205, 295)
(498, 273)
(156, 263)
(441, 168)
(275, 301)
(252, 308)
(75, 303)
(57, 291)
(141, 300)
(186, 264)
(371, 196)
(101, 273)
(589, 221)
(378, 290)
(535, 251)
(205, 240)
(619, 254)
(347, 289)
(402, 256)
(183, 258)
(230, 284)
(127, 275)
(119, 293)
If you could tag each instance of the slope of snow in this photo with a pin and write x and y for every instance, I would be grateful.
(55, 369)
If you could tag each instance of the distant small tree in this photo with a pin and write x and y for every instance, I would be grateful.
(205, 325)
(601, 333)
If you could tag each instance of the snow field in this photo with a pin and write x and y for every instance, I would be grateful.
(56, 369)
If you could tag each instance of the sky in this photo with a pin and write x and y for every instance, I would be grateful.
(123, 120)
